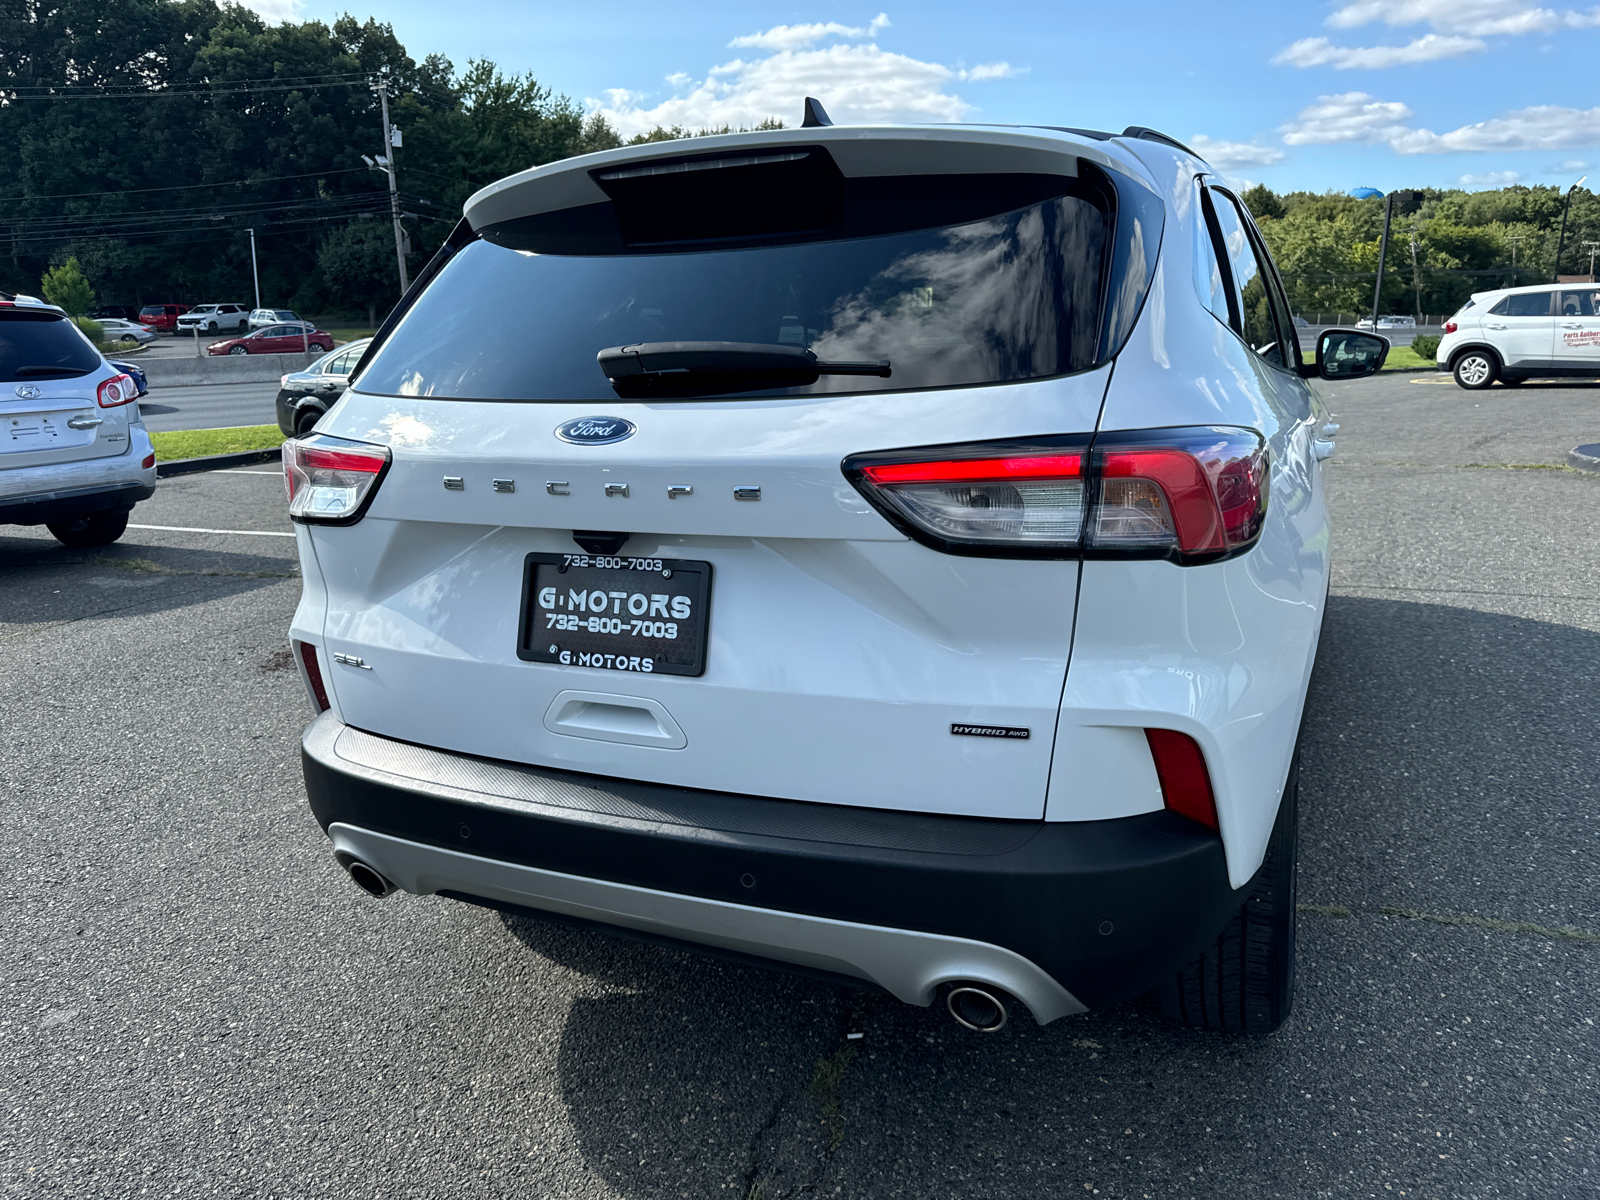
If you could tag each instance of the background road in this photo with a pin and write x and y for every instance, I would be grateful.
(209, 406)
(197, 1002)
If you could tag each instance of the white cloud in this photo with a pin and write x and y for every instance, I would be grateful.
(1459, 27)
(798, 37)
(1347, 117)
(1490, 179)
(856, 80)
(1317, 52)
(1230, 156)
(1357, 117)
(273, 11)
(1572, 166)
(1475, 18)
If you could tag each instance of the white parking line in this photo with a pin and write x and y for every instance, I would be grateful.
(187, 529)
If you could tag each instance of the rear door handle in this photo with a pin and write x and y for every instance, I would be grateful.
(1491, 325)
(1571, 325)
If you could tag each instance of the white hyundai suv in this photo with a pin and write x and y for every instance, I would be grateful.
(1514, 334)
(894, 552)
(74, 454)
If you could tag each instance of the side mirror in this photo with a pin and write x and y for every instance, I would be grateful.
(1347, 354)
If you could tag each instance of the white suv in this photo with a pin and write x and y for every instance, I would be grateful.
(1513, 334)
(74, 454)
(214, 318)
(897, 552)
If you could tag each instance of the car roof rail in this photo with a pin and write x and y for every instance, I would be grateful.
(1155, 135)
(1098, 135)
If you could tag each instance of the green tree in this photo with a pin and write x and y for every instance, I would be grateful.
(358, 263)
(67, 289)
(1263, 203)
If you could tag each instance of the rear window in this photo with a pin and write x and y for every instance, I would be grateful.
(152, 310)
(40, 346)
(1021, 291)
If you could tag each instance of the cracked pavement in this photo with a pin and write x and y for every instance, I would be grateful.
(197, 1002)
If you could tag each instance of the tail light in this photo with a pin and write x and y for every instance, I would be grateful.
(331, 481)
(1450, 327)
(1185, 782)
(1192, 495)
(308, 660)
(118, 390)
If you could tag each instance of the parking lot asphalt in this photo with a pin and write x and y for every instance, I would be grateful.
(209, 406)
(197, 1002)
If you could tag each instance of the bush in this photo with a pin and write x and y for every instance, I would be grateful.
(93, 330)
(1425, 345)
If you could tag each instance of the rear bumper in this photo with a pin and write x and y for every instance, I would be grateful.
(1062, 915)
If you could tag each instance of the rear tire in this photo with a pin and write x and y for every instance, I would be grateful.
(1475, 370)
(305, 421)
(238, 350)
(90, 529)
(1244, 982)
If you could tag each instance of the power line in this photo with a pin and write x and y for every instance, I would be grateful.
(179, 187)
(167, 93)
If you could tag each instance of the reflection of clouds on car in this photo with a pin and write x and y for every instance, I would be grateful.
(992, 301)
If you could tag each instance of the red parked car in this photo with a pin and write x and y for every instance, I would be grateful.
(162, 316)
(275, 339)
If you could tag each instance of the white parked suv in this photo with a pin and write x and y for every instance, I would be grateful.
(895, 552)
(74, 454)
(1513, 334)
(214, 318)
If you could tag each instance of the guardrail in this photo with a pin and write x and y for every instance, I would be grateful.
(224, 368)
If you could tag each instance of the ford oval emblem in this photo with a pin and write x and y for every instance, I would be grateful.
(29, 391)
(594, 431)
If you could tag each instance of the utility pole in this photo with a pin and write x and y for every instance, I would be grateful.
(1416, 277)
(1383, 251)
(1594, 248)
(255, 273)
(1514, 239)
(1561, 242)
(387, 162)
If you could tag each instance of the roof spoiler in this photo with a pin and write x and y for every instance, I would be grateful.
(1155, 135)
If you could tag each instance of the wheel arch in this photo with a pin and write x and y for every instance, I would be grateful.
(1460, 351)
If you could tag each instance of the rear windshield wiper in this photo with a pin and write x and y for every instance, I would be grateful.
(649, 364)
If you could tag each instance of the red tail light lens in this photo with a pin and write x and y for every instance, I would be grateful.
(1450, 326)
(329, 480)
(1185, 782)
(1192, 495)
(308, 659)
(118, 390)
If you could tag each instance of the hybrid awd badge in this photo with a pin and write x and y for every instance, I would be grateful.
(594, 431)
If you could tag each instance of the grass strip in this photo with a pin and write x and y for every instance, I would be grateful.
(1560, 933)
(201, 443)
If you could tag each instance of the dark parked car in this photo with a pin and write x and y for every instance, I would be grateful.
(303, 396)
(119, 312)
(275, 339)
(133, 371)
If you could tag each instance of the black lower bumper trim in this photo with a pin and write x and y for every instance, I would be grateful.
(60, 506)
(1107, 908)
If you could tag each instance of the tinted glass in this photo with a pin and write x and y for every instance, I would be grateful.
(1011, 297)
(1579, 303)
(151, 310)
(1528, 304)
(1208, 273)
(38, 347)
(1259, 330)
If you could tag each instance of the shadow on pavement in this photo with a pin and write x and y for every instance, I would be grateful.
(1449, 768)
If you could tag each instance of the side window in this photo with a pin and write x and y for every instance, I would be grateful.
(1578, 304)
(1527, 304)
(1253, 282)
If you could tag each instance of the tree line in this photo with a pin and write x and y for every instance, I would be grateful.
(145, 138)
(1326, 246)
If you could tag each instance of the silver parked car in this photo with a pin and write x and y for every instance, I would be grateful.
(74, 454)
(303, 396)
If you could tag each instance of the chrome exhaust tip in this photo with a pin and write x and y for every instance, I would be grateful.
(368, 879)
(977, 1007)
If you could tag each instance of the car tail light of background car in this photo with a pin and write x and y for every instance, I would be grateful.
(1450, 327)
(118, 390)
(331, 481)
(1191, 495)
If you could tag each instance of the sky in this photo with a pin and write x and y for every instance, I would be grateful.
(1373, 93)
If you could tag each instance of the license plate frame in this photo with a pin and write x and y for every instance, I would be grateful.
(640, 644)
